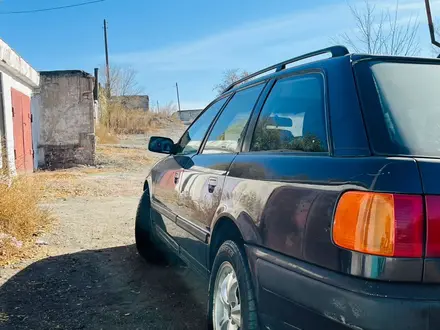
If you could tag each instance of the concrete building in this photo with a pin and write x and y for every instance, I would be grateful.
(64, 111)
(17, 83)
(188, 116)
(133, 102)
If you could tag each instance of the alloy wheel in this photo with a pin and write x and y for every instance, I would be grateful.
(227, 307)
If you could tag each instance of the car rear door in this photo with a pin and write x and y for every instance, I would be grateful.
(166, 175)
(203, 178)
(278, 176)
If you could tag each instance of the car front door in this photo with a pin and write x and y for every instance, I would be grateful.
(204, 175)
(166, 175)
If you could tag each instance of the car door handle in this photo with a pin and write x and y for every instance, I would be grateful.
(212, 183)
(176, 177)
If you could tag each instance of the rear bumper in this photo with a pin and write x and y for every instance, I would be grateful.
(294, 295)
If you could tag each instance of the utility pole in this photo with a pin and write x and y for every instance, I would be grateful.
(96, 85)
(107, 66)
(431, 25)
(178, 97)
(158, 109)
(96, 96)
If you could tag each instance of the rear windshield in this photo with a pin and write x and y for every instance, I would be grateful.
(401, 105)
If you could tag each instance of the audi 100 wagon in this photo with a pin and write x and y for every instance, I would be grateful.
(309, 194)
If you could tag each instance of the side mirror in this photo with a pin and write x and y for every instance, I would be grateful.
(162, 145)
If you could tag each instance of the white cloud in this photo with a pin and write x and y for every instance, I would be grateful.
(255, 44)
(251, 44)
(198, 64)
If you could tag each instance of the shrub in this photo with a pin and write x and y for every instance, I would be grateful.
(105, 136)
(21, 216)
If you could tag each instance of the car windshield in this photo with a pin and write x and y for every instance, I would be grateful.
(401, 103)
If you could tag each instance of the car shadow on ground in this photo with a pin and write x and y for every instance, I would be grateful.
(103, 289)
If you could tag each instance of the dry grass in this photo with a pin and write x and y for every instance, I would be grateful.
(59, 185)
(123, 121)
(105, 136)
(117, 119)
(65, 184)
(123, 158)
(21, 216)
(92, 181)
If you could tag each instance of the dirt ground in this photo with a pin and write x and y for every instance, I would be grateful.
(87, 273)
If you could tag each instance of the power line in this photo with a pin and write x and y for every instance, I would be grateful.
(51, 8)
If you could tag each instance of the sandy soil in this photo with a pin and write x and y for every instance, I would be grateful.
(89, 275)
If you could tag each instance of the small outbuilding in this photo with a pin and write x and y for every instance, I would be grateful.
(18, 81)
(47, 119)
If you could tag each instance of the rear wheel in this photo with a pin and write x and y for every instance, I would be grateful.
(231, 298)
(146, 243)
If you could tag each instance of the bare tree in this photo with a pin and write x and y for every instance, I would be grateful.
(230, 76)
(168, 109)
(381, 31)
(123, 81)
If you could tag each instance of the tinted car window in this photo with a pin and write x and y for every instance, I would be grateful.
(193, 137)
(293, 117)
(228, 131)
(401, 106)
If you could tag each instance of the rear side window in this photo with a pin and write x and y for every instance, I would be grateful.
(228, 131)
(192, 139)
(401, 106)
(293, 117)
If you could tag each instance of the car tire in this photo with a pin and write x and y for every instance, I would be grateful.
(231, 255)
(146, 243)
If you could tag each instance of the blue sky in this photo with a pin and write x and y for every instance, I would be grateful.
(190, 42)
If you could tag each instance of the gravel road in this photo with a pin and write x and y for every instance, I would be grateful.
(91, 276)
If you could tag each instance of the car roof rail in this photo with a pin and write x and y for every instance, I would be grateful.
(335, 51)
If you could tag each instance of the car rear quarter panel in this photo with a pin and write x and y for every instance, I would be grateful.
(285, 203)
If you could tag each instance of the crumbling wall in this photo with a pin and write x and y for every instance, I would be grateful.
(133, 102)
(67, 130)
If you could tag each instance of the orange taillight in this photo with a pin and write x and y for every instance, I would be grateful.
(379, 224)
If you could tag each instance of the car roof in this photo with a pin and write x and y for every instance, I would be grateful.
(393, 58)
(264, 74)
(337, 52)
